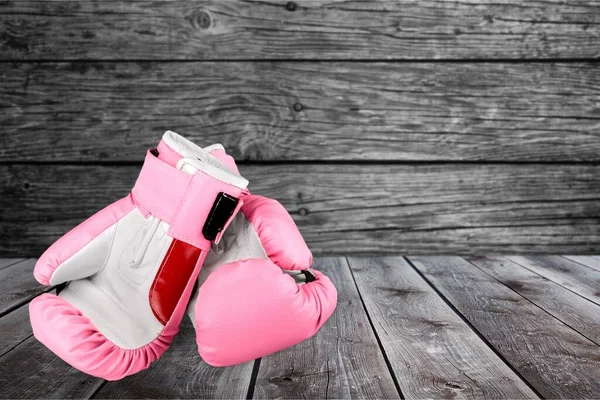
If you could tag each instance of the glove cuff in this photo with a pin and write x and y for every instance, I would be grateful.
(197, 207)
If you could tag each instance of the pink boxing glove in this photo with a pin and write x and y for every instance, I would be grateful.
(256, 292)
(130, 269)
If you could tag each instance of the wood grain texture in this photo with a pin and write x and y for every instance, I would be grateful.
(575, 311)
(30, 370)
(14, 328)
(578, 278)
(18, 286)
(305, 29)
(588, 261)
(303, 111)
(181, 373)
(7, 262)
(347, 208)
(342, 361)
(555, 359)
(434, 354)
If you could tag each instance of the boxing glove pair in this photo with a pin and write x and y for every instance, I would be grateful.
(130, 269)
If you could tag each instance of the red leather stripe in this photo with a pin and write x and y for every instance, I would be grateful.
(172, 278)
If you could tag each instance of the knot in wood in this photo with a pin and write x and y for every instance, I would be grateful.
(291, 6)
(298, 107)
(200, 19)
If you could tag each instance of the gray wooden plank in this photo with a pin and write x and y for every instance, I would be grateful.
(18, 286)
(588, 261)
(578, 278)
(555, 359)
(575, 311)
(7, 262)
(181, 373)
(429, 208)
(433, 352)
(303, 111)
(343, 360)
(304, 29)
(14, 329)
(30, 370)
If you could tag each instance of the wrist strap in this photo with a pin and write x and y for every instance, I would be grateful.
(197, 207)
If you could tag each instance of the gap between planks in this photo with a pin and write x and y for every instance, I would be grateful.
(433, 352)
(507, 306)
(381, 348)
(466, 321)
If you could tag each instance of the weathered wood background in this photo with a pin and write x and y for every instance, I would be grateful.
(413, 127)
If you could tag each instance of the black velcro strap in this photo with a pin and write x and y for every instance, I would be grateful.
(219, 214)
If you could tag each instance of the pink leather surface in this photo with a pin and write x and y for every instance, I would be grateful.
(74, 338)
(167, 193)
(173, 196)
(226, 159)
(279, 234)
(250, 308)
(167, 154)
(181, 200)
(194, 209)
(78, 237)
(160, 188)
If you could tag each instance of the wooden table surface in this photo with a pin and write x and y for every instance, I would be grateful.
(412, 327)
